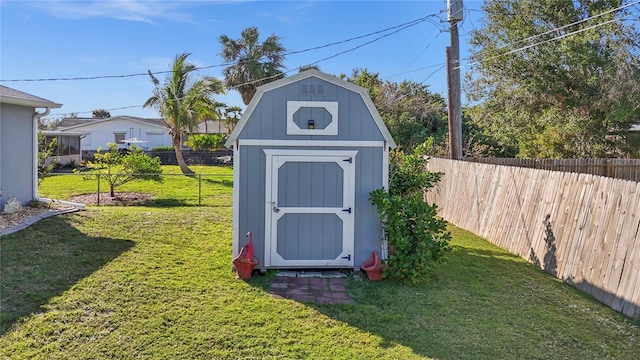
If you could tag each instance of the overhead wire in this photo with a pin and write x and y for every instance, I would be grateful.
(539, 43)
(397, 28)
(401, 26)
(557, 29)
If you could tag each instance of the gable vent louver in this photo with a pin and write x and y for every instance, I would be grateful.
(311, 89)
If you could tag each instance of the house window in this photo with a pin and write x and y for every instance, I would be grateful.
(65, 145)
(74, 145)
(118, 138)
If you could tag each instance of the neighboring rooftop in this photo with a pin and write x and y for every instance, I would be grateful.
(73, 122)
(209, 126)
(17, 97)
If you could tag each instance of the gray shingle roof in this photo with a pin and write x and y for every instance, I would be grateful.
(17, 97)
(71, 122)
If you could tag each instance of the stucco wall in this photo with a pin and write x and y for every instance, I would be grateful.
(16, 153)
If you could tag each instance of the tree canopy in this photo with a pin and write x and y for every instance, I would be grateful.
(409, 110)
(101, 113)
(118, 169)
(251, 63)
(555, 78)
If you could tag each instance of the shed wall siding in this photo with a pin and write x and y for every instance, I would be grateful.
(16, 142)
(269, 118)
(252, 206)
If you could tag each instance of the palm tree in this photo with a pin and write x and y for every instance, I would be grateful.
(232, 116)
(252, 63)
(183, 103)
(101, 113)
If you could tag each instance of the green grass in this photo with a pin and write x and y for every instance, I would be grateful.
(156, 282)
(213, 185)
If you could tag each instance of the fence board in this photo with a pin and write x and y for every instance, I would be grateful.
(626, 169)
(584, 229)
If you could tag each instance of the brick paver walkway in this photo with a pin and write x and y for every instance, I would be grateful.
(318, 290)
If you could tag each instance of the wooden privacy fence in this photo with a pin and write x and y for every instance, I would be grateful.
(584, 229)
(627, 169)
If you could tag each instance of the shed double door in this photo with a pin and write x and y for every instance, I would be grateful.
(310, 209)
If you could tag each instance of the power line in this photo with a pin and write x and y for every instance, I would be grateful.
(414, 70)
(441, 66)
(410, 23)
(542, 42)
(558, 29)
(401, 26)
(362, 45)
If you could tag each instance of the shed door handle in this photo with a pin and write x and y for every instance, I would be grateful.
(347, 210)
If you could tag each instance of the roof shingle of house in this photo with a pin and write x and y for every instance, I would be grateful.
(70, 122)
(13, 96)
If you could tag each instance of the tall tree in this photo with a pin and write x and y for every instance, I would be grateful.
(409, 110)
(184, 102)
(232, 116)
(554, 78)
(252, 63)
(101, 113)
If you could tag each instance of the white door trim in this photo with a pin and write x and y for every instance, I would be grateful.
(271, 193)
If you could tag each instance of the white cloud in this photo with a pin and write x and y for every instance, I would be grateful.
(130, 10)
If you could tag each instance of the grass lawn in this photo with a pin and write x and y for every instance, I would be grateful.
(156, 282)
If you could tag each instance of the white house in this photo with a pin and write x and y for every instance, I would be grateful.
(116, 129)
(148, 133)
(19, 143)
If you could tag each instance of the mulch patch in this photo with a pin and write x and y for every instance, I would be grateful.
(121, 198)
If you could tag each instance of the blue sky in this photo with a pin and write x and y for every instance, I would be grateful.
(62, 39)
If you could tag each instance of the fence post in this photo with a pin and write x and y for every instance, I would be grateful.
(199, 188)
(98, 189)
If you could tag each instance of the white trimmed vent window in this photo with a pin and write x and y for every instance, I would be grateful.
(312, 118)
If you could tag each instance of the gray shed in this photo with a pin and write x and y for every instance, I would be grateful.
(307, 152)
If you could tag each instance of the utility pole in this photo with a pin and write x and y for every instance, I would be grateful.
(454, 15)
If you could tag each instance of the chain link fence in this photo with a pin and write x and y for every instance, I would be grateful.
(166, 190)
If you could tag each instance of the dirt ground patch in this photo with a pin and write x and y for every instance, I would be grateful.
(121, 198)
(28, 212)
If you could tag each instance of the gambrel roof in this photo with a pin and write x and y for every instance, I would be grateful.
(364, 94)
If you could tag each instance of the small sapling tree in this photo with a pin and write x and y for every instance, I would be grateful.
(118, 169)
(417, 236)
(46, 150)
